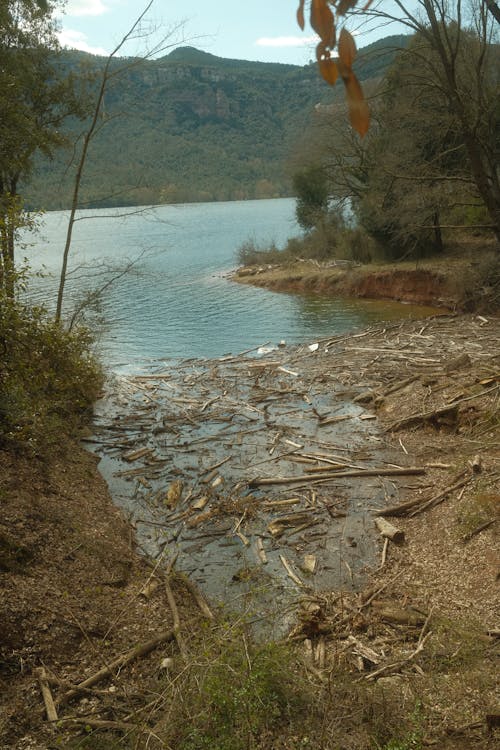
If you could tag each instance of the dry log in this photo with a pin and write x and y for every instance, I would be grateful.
(418, 504)
(48, 700)
(382, 472)
(389, 531)
(135, 653)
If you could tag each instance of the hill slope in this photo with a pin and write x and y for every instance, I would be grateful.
(195, 127)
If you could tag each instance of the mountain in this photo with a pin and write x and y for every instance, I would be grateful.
(192, 126)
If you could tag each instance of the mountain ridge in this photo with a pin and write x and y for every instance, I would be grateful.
(191, 126)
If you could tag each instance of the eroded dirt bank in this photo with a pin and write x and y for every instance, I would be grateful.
(421, 640)
(419, 286)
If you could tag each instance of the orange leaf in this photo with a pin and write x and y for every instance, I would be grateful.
(347, 48)
(329, 71)
(359, 114)
(327, 67)
(300, 15)
(322, 21)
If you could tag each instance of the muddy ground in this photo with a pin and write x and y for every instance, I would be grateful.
(420, 395)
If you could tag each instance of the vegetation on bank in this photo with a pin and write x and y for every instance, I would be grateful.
(49, 378)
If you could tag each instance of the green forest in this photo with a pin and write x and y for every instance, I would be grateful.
(190, 127)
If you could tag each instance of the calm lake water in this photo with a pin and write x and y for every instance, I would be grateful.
(177, 301)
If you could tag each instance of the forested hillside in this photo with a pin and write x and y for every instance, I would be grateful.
(193, 127)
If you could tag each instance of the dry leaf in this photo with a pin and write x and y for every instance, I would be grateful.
(328, 70)
(323, 22)
(347, 48)
(300, 15)
(359, 114)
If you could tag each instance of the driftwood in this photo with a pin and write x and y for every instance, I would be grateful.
(389, 531)
(135, 653)
(419, 504)
(382, 472)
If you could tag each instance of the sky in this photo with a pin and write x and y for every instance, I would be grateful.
(263, 30)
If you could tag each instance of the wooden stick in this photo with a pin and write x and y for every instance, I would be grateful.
(383, 472)
(50, 706)
(135, 653)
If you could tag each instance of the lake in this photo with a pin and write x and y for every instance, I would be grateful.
(177, 301)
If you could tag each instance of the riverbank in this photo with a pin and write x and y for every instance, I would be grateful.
(411, 658)
(448, 281)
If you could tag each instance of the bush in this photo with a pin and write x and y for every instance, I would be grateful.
(329, 240)
(49, 377)
(251, 254)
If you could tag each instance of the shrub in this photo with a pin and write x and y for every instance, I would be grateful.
(49, 377)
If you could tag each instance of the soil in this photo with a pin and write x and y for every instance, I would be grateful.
(71, 575)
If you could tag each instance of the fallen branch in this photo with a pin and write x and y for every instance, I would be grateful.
(135, 653)
(48, 700)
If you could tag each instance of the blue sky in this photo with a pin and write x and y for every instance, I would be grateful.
(243, 29)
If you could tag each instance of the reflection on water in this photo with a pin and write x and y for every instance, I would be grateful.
(177, 302)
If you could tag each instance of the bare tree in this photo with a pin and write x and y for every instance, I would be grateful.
(463, 70)
(98, 120)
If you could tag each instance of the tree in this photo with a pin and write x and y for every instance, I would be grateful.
(98, 119)
(35, 98)
(311, 189)
(462, 70)
(451, 83)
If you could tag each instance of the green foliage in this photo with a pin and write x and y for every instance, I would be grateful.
(236, 692)
(329, 240)
(49, 377)
(311, 189)
(197, 128)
